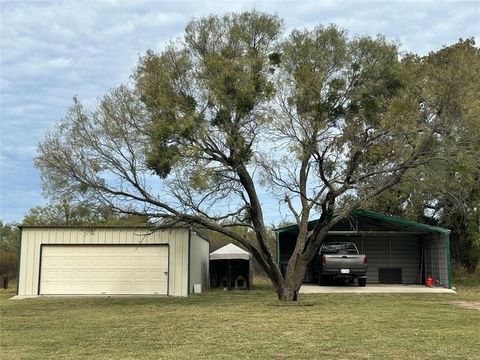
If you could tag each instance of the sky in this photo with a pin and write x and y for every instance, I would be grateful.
(52, 51)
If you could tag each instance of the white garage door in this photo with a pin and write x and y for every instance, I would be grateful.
(89, 270)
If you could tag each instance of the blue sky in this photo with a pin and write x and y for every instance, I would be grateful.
(52, 51)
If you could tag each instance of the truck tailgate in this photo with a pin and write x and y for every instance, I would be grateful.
(344, 262)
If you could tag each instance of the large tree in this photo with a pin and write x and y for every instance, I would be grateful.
(319, 120)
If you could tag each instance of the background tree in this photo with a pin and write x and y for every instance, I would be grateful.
(447, 193)
(69, 213)
(9, 248)
(323, 122)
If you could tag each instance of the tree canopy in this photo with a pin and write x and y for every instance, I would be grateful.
(321, 121)
(447, 193)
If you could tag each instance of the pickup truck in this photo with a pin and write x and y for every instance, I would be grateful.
(341, 260)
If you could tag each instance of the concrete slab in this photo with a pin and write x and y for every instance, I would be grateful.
(22, 297)
(374, 289)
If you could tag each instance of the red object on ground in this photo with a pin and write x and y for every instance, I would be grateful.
(429, 281)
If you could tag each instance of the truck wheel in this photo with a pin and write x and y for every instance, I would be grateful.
(362, 282)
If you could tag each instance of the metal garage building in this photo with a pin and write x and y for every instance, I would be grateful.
(398, 250)
(111, 261)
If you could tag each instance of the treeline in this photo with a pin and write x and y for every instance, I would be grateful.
(9, 249)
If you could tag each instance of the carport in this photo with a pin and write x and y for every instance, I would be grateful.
(399, 251)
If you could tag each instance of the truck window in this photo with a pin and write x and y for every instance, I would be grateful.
(338, 249)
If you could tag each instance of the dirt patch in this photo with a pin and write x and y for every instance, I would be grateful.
(474, 305)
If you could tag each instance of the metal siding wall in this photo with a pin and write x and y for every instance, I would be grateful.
(30, 258)
(377, 251)
(175, 265)
(174, 287)
(36, 262)
(431, 265)
(199, 261)
(184, 268)
(22, 273)
(404, 255)
(206, 261)
(436, 259)
(443, 260)
(33, 238)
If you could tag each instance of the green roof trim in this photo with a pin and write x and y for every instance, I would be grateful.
(382, 217)
(397, 220)
(293, 227)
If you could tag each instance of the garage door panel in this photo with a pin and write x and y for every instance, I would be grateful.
(126, 261)
(157, 262)
(154, 275)
(89, 270)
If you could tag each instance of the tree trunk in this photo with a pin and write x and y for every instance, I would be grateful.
(287, 286)
(288, 291)
(287, 294)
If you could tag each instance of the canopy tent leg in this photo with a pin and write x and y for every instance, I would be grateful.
(229, 275)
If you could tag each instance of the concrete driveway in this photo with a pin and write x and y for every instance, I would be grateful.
(373, 289)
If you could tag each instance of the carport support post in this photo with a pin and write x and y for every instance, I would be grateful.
(449, 259)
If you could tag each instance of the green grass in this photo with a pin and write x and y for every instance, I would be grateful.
(246, 325)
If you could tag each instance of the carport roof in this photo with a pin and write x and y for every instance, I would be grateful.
(381, 219)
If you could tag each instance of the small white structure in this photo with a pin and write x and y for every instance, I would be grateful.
(230, 267)
(111, 261)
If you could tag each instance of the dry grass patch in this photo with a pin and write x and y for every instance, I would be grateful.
(475, 305)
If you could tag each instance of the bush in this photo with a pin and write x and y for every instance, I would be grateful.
(461, 271)
(8, 264)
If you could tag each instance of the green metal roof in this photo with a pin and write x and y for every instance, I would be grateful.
(396, 221)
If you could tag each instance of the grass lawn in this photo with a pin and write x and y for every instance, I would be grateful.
(246, 325)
